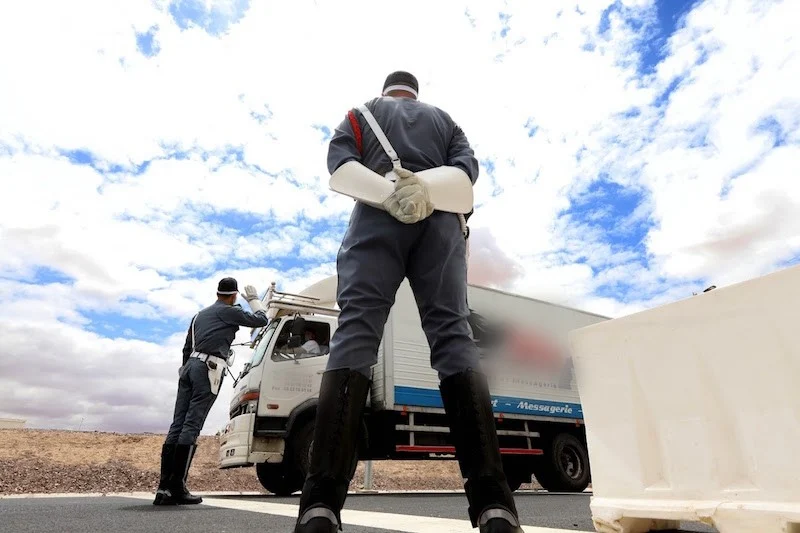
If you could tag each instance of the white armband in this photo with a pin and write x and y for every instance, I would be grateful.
(255, 305)
(449, 188)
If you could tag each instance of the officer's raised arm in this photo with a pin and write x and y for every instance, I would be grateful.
(236, 315)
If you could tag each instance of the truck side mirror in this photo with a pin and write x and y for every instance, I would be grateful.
(295, 341)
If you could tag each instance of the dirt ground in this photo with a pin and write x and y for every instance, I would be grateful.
(71, 461)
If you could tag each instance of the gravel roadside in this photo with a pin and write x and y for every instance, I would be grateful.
(42, 461)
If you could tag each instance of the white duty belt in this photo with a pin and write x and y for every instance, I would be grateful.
(205, 356)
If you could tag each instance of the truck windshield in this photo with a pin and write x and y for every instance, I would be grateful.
(261, 348)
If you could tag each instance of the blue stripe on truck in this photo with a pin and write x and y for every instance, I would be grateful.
(419, 397)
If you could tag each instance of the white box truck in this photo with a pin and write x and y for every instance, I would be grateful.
(523, 344)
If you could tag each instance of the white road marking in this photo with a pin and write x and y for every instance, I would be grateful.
(253, 493)
(353, 517)
(388, 521)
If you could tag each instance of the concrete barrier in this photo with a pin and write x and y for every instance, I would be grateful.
(692, 411)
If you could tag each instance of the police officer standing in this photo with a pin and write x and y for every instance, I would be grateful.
(403, 235)
(205, 356)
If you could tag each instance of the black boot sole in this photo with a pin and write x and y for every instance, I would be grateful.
(317, 525)
(498, 525)
(189, 502)
(325, 521)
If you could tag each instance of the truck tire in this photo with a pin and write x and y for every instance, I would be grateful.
(565, 466)
(277, 478)
(301, 447)
(301, 444)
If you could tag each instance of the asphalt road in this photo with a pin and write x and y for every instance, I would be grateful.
(385, 513)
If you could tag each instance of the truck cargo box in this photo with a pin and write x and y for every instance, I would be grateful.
(524, 347)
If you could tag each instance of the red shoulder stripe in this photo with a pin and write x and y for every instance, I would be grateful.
(356, 130)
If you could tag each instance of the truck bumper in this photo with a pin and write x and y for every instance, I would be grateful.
(238, 447)
(235, 441)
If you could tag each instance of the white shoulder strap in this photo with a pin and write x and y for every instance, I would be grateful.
(387, 146)
(193, 343)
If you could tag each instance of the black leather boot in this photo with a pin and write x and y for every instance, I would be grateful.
(163, 494)
(469, 412)
(183, 460)
(342, 398)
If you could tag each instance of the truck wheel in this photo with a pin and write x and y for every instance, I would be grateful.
(301, 447)
(565, 466)
(277, 479)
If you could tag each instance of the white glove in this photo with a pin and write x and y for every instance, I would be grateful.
(250, 293)
(409, 203)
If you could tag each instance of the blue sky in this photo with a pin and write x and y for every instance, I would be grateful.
(631, 153)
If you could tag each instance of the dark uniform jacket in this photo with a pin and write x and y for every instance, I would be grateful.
(215, 328)
(423, 136)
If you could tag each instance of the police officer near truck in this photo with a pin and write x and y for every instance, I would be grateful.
(206, 355)
(411, 170)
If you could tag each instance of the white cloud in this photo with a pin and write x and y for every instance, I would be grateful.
(228, 117)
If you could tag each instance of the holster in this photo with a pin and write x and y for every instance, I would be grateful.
(216, 372)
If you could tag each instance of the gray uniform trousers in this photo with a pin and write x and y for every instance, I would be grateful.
(192, 403)
(376, 254)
